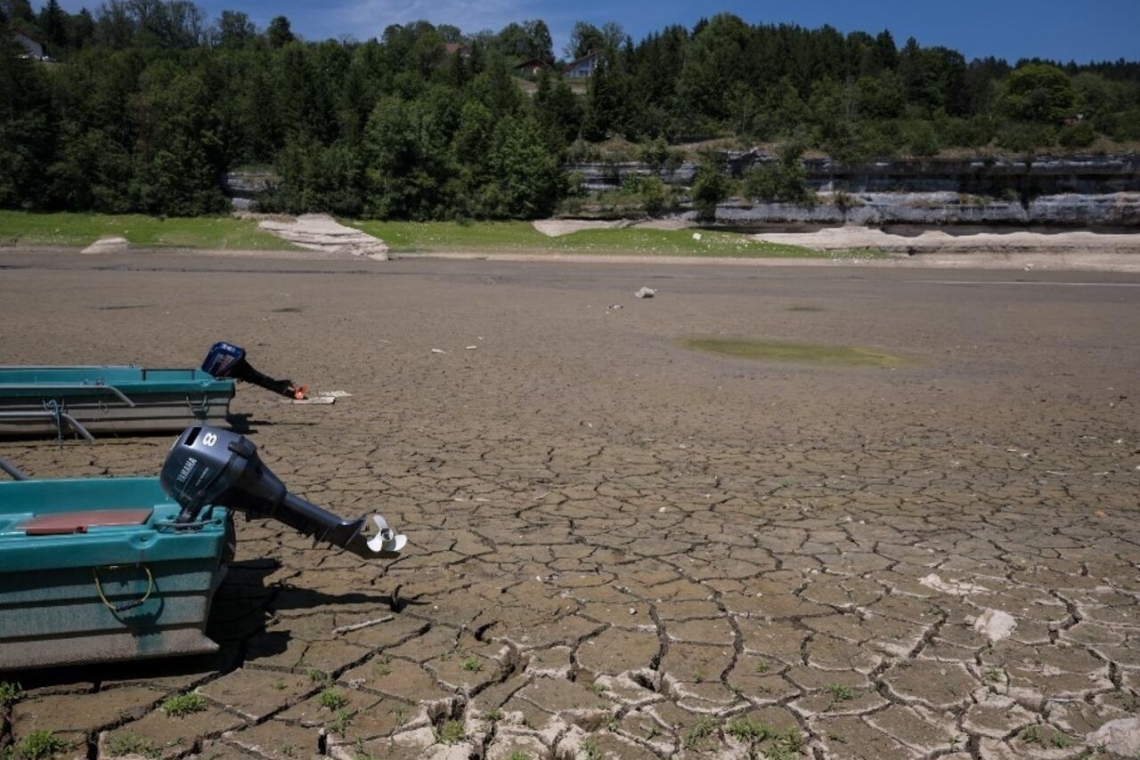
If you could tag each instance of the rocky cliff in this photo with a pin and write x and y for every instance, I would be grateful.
(1094, 191)
(941, 208)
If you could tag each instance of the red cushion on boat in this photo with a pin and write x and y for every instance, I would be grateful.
(78, 522)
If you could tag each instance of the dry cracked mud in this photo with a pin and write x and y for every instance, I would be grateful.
(620, 548)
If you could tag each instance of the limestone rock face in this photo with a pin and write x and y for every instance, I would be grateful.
(320, 232)
(941, 208)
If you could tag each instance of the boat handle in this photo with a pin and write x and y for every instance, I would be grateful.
(199, 409)
(123, 606)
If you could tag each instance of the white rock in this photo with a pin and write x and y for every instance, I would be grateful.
(958, 588)
(320, 232)
(995, 624)
(1120, 737)
(697, 236)
(108, 245)
(645, 293)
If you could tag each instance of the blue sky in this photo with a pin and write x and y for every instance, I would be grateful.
(1063, 30)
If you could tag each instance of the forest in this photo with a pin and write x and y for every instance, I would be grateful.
(143, 106)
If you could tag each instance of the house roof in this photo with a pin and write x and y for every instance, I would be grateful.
(453, 48)
(32, 37)
(584, 59)
(532, 63)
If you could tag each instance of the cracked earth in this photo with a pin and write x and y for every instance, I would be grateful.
(619, 548)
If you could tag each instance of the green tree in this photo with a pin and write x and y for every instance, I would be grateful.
(1038, 92)
(530, 39)
(17, 10)
(178, 153)
(604, 107)
(496, 88)
(25, 128)
(742, 106)
(318, 178)
(921, 138)
(710, 187)
(53, 22)
(885, 52)
(406, 162)
(557, 110)
(781, 180)
(934, 78)
(586, 38)
(92, 172)
(80, 29)
(114, 25)
(713, 65)
(879, 97)
(527, 180)
(234, 30)
(542, 43)
(280, 32)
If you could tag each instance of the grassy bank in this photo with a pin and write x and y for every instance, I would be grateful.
(80, 230)
(65, 230)
(522, 237)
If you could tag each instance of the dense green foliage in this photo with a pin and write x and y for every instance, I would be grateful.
(151, 104)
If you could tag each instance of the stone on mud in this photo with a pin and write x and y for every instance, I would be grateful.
(995, 624)
(1120, 737)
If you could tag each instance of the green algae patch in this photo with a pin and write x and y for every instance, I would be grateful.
(798, 353)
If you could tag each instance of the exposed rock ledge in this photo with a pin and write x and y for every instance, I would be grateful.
(1069, 210)
(320, 232)
(960, 240)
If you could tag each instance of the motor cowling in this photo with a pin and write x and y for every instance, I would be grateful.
(227, 360)
(209, 466)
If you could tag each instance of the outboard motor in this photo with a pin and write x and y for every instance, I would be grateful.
(227, 360)
(208, 466)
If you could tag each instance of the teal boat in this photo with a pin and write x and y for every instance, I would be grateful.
(95, 570)
(109, 399)
(99, 570)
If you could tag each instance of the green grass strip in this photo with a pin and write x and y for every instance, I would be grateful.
(522, 237)
(67, 230)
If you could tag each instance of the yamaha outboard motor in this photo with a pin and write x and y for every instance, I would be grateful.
(208, 466)
(227, 360)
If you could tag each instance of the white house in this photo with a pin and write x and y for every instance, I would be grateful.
(583, 67)
(36, 48)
